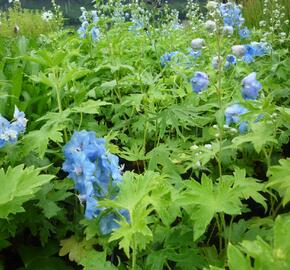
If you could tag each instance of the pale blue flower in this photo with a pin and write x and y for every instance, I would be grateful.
(251, 87)
(197, 43)
(230, 60)
(239, 50)
(9, 132)
(199, 81)
(167, 57)
(95, 171)
(232, 15)
(95, 16)
(95, 32)
(244, 33)
(195, 54)
(232, 114)
(215, 62)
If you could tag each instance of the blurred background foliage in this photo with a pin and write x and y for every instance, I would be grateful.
(253, 9)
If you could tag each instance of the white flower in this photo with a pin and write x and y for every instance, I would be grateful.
(262, 23)
(210, 25)
(208, 146)
(194, 147)
(198, 164)
(47, 15)
(239, 50)
(197, 43)
(211, 5)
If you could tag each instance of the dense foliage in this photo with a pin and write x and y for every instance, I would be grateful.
(139, 142)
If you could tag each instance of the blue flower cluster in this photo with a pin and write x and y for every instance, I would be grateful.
(232, 16)
(89, 19)
(250, 87)
(10, 131)
(230, 61)
(199, 81)
(232, 114)
(244, 33)
(248, 52)
(250, 91)
(96, 173)
(167, 57)
(195, 54)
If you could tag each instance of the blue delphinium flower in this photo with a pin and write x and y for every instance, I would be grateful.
(82, 32)
(195, 54)
(199, 81)
(230, 60)
(244, 33)
(243, 127)
(167, 57)
(215, 62)
(89, 27)
(4, 125)
(10, 131)
(261, 48)
(95, 17)
(231, 14)
(94, 170)
(249, 54)
(251, 87)
(232, 114)
(95, 32)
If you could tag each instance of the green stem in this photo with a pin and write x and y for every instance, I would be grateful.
(81, 121)
(134, 254)
(220, 232)
(60, 110)
(219, 93)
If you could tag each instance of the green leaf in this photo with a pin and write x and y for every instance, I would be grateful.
(41, 138)
(237, 260)
(90, 106)
(75, 249)
(249, 187)
(203, 200)
(261, 135)
(19, 185)
(279, 179)
(274, 255)
(93, 259)
(109, 85)
(73, 74)
(136, 233)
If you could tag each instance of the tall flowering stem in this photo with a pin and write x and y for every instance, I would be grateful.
(219, 83)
